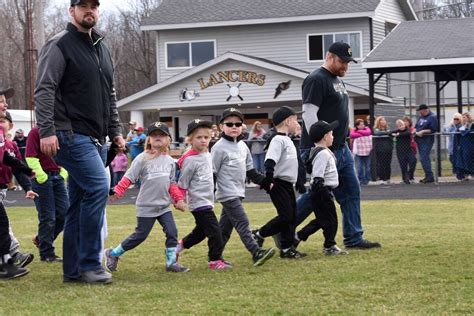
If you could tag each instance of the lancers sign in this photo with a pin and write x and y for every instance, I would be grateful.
(232, 76)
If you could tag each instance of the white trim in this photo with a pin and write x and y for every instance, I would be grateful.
(417, 62)
(190, 52)
(257, 21)
(244, 59)
(332, 33)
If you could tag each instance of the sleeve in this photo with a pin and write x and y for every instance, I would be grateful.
(174, 191)
(217, 157)
(249, 160)
(275, 149)
(51, 66)
(433, 124)
(114, 119)
(187, 172)
(133, 173)
(134, 141)
(319, 164)
(32, 144)
(313, 91)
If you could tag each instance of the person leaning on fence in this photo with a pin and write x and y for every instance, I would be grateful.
(464, 142)
(412, 163)
(402, 137)
(426, 125)
(452, 129)
(383, 148)
(361, 137)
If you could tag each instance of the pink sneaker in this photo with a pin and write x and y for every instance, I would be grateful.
(219, 265)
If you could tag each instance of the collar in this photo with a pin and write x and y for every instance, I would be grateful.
(231, 139)
(96, 36)
(282, 134)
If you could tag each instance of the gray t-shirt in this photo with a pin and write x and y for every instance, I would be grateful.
(283, 152)
(230, 160)
(324, 166)
(156, 175)
(196, 178)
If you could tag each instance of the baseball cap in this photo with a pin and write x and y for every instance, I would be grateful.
(282, 114)
(422, 107)
(76, 2)
(197, 123)
(19, 130)
(343, 51)
(321, 128)
(132, 123)
(8, 116)
(7, 92)
(158, 126)
(140, 129)
(232, 112)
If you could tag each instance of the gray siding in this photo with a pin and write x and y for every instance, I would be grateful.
(390, 10)
(284, 43)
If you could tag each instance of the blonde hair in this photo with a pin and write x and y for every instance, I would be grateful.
(377, 122)
(468, 115)
(189, 138)
(457, 116)
(165, 150)
(399, 121)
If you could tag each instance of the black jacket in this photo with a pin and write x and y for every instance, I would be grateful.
(74, 87)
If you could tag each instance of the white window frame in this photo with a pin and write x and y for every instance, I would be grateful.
(190, 52)
(331, 33)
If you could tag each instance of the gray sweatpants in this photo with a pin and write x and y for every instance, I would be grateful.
(143, 229)
(233, 216)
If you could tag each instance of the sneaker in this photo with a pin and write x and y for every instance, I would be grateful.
(99, 276)
(262, 256)
(426, 180)
(11, 271)
(219, 265)
(292, 254)
(365, 244)
(334, 250)
(52, 259)
(36, 241)
(176, 267)
(257, 238)
(22, 259)
(111, 262)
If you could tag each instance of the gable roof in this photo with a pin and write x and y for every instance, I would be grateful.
(425, 43)
(260, 62)
(179, 14)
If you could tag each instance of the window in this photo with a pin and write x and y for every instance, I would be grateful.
(189, 54)
(318, 45)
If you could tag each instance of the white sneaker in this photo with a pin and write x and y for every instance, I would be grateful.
(334, 250)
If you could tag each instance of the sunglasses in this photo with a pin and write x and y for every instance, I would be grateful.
(456, 119)
(230, 124)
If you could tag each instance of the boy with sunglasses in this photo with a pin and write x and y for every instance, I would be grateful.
(232, 163)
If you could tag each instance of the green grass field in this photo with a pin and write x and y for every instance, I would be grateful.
(424, 267)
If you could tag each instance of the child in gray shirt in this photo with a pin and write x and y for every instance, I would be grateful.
(232, 161)
(322, 166)
(197, 181)
(156, 171)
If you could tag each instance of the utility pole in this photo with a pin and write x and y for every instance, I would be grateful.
(31, 58)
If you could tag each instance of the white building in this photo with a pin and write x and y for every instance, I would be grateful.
(212, 55)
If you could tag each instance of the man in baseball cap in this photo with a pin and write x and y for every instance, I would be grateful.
(343, 51)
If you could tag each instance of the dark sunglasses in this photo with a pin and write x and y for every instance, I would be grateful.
(230, 124)
(456, 119)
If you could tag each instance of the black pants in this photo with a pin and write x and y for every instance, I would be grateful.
(326, 219)
(284, 200)
(206, 226)
(5, 239)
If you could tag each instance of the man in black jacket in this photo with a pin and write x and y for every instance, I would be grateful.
(76, 110)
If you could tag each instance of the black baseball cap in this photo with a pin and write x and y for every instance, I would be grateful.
(8, 116)
(76, 2)
(198, 123)
(343, 51)
(159, 126)
(282, 114)
(422, 107)
(321, 128)
(7, 92)
(232, 112)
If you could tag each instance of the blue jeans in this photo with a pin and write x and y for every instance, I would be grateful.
(259, 162)
(88, 191)
(51, 205)
(363, 168)
(347, 194)
(424, 148)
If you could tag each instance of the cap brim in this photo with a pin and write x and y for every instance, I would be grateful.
(8, 93)
(347, 59)
(232, 114)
